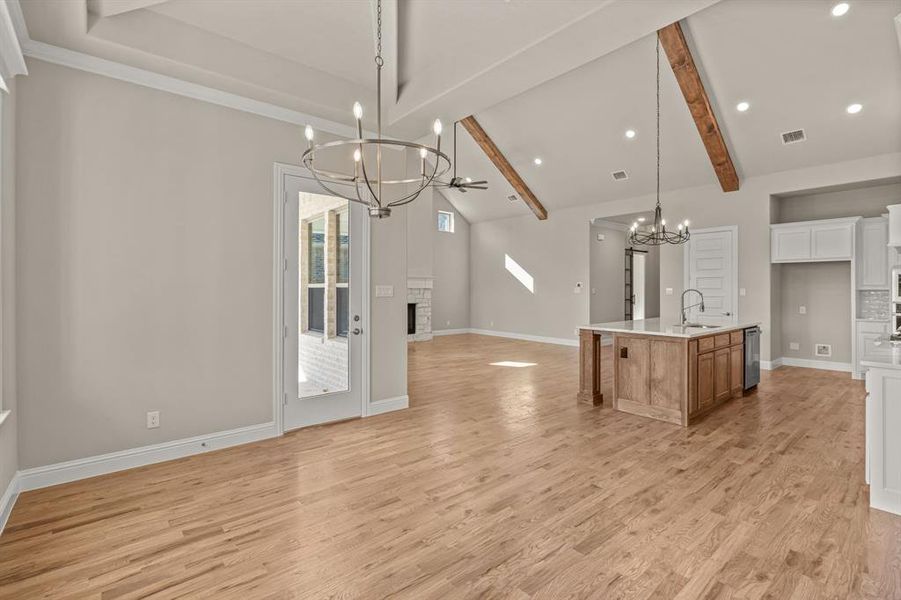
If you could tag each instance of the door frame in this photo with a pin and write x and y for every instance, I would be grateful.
(686, 261)
(279, 265)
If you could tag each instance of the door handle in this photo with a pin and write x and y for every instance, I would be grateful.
(357, 331)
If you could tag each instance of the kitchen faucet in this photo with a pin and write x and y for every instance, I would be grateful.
(684, 308)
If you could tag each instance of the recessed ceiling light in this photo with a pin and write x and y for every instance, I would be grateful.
(742, 106)
(538, 161)
(641, 219)
(853, 109)
(630, 133)
(840, 9)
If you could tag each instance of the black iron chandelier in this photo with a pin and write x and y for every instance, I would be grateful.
(656, 233)
(357, 181)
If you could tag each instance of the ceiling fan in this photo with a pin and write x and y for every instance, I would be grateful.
(460, 183)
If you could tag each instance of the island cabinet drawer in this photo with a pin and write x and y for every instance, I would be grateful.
(737, 337)
(705, 344)
(721, 341)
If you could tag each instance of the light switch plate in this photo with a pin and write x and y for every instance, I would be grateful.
(742, 292)
(384, 291)
(669, 291)
(802, 310)
(794, 346)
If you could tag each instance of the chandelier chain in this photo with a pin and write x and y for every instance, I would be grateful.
(658, 121)
(378, 45)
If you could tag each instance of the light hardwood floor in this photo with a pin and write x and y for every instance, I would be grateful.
(495, 484)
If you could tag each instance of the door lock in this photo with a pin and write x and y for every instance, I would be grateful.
(357, 331)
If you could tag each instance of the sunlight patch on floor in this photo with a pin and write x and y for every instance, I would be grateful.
(512, 363)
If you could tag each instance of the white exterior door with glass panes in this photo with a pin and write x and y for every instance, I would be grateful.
(323, 305)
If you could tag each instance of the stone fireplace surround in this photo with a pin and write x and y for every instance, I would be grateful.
(419, 292)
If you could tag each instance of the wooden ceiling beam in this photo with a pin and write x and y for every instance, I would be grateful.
(503, 165)
(677, 51)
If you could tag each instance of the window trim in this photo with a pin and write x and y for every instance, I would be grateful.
(450, 220)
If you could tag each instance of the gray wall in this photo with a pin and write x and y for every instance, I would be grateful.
(450, 296)
(606, 278)
(144, 256)
(555, 252)
(9, 456)
(868, 201)
(825, 289)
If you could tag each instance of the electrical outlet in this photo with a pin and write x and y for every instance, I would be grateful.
(794, 346)
(742, 292)
(153, 419)
(490, 323)
(448, 323)
(802, 310)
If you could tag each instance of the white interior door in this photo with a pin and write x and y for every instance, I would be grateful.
(325, 240)
(638, 285)
(711, 257)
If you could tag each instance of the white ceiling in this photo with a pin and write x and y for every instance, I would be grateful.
(559, 79)
(798, 66)
(304, 32)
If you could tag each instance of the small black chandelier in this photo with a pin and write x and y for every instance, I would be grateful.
(656, 234)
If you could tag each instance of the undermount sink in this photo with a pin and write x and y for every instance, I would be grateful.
(697, 326)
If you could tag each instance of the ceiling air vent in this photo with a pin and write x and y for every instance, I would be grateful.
(793, 137)
(619, 175)
(512, 198)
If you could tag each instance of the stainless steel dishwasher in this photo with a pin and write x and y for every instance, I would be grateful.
(752, 357)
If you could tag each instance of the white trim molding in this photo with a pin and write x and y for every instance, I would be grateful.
(12, 59)
(92, 466)
(526, 337)
(806, 363)
(8, 500)
(771, 365)
(451, 332)
(388, 405)
(180, 87)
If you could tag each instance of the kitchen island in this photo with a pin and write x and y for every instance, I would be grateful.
(666, 372)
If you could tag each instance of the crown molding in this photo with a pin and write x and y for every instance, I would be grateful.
(122, 72)
(12, 28)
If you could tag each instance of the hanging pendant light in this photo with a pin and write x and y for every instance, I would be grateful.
(656, 234)
(357, 181)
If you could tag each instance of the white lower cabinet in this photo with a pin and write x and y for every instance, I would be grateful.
(868, 332)
(883, 443)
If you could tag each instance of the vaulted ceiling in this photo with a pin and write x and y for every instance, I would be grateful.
(557, 79)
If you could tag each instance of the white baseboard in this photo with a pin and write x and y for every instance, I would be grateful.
(388, 405)
(807, 363)
(526, 337)
(8, 500)
(451, 332)
(771, 365)
(73, 470)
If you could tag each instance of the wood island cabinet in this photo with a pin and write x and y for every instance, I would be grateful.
(677, 379)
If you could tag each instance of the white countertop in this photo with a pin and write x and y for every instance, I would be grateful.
(665, 327)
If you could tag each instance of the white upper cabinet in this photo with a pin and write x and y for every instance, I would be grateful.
(813, 241)
(873, 266)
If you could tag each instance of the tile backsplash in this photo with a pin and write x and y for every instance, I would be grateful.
(874, 304)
